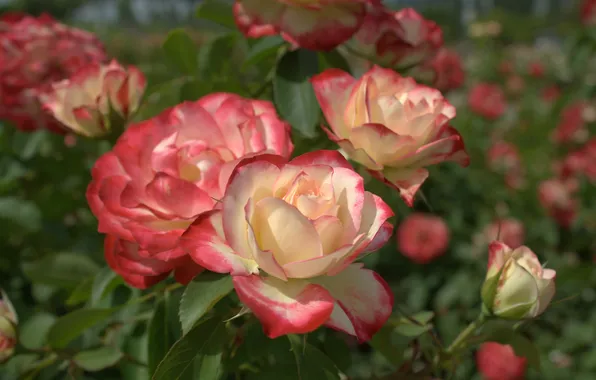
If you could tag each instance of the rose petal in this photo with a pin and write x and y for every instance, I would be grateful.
(332, 88)
(293, 307)
(364, 298)
(205, 243)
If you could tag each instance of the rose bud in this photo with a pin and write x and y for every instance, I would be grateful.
(588, 12)
(516, 285)
(87, 103)
(313, 25)
(557, 197)
(289, 234)
(8, 333)
(389, 124)
(497, 361)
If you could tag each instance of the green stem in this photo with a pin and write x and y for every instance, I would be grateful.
(466, 334)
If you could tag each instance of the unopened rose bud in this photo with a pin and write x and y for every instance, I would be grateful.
(8, 333)
(516, 285)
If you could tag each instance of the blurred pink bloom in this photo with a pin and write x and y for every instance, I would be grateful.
(557, 196)
(509, 231)
(571, 126)
(34, 53)
(313, 24)
(498, 362)
(550, 94)
(422, 237)
(487, 100)
(397, 39)
(448, 70)
(503, 157)
(536, 70)
(588, 12)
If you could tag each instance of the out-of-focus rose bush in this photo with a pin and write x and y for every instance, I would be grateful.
(499, 362)
(422, 238)
(35, 52)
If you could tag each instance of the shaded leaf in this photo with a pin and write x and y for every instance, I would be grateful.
(265, 48)
(160, 338)
(72, 325)
(32, 333)
(81, 293)
(186, 349)
(66, 270)
(217, 12)
(103, 283)
(182, 51)
(201, 295)
(292, 92)
(98, 359)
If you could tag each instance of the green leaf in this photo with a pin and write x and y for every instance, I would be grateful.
(160, 338)
(194, 89)
(104, 282)
(23, 213)
(337, 350)
(311, 363)
(214, 58)
(390, 345)
(201, 295)
(209, 365)
(81, 293)
(263, 49)
(33, 332)
(65, 270)
(186, 349)
(333, 59)
(98, 359)
(217, 12)
(292, 92)
(135, 347)
(407, 326)
(182, 51)
(72, 325)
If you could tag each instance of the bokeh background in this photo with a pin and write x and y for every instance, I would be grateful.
(520, 131)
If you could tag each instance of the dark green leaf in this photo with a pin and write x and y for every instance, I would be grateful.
(292, 92)
(263, 49)
(311, 363)
(333, 59)
(182, 51)
(24, 214)
(66, 270)
(105, 281)
(414, 325)
(160, 338)
(135, 347)
(98, 359)
(390, 345)
(33, 332)
(186, 349)
(209, 366)
(337, 350)
(72, 325)
(217, 12)
(194, 89)
(81, 293)
(214, 58)
(201, 295)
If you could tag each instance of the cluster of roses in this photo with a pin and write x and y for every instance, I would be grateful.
(209, 184)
